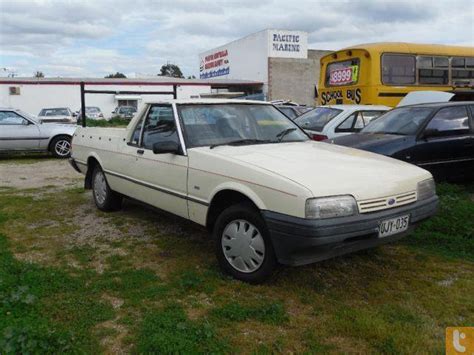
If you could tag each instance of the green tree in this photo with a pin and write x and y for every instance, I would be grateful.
(171, 70)
(116, 75)
(191, 77)
(39, 74)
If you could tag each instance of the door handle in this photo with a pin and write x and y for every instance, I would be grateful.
(140, 151)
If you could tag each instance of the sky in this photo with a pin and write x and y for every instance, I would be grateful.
(95, 38)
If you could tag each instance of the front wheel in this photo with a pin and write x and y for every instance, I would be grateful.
(61, 147)
(243, 246)
(105, 199)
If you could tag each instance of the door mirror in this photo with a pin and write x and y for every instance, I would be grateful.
(74, 114)
(429, 133)
(166, 147)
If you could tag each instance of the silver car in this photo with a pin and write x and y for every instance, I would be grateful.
(57, 115)
(19, 131)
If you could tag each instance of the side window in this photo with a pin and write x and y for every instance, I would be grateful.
(160, 126)
(398, 69)
(136, 133)
(11, 118)
(433, 70)
(369, 116)
(359, 122)
(347, 124)
(450, 121)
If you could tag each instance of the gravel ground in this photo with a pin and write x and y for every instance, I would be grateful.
(57, 173)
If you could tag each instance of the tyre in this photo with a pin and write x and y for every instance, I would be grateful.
(105, 199)
(61, 147)
(243, 246)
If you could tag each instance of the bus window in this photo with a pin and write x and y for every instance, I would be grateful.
(433, 70)
(398, 69)
(343, 73)
(462, 69)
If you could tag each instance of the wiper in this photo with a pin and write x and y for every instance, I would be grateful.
(242, 141)
(284, 133)
(395, 133)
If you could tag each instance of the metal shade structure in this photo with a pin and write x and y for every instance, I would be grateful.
(118, 92)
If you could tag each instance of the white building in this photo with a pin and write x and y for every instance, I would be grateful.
(33, 94)
(280, 59)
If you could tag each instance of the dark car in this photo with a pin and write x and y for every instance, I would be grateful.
(438, 137)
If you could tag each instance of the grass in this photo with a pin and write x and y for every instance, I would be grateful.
(76, 280)
(451, 233)
(113, 122)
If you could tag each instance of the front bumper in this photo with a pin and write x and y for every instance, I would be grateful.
(299, 241)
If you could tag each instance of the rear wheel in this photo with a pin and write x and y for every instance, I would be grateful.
(61, 147)
(243, 246)
(105, 199)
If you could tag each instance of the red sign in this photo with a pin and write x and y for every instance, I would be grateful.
(216, 60)
(340, 76)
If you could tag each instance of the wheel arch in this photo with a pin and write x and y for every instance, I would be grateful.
(227, 196)
(52, 138)
(92, 161)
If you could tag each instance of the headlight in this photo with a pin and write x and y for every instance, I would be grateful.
(426, 189)
(329, 207)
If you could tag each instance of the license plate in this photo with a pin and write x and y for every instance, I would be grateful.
(393, 226)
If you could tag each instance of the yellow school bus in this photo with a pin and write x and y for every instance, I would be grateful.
(383, 73)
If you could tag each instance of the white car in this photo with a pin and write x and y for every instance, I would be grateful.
(331, 121)
(57, 115)
(266, 191)
(21, 132)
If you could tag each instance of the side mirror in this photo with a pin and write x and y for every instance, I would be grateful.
(74, 114)
(428, 133)
(166, 147)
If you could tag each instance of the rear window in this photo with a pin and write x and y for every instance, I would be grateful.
(316, 119)
(343, 73)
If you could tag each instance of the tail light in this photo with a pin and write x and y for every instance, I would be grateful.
(318, 137)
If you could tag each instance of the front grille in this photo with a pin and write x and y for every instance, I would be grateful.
(384, 203)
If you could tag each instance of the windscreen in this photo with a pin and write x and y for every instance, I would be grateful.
(316, 119)
(403, 121)
(211, 124)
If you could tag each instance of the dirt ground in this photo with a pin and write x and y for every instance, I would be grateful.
(44, 173)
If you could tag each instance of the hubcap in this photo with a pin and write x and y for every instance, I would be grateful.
(243, 246)
(62, 148)
(100, 187)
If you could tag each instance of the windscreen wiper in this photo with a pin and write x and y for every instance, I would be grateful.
(283, 133)
(242, 141)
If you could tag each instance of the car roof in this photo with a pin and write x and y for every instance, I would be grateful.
(358, 107)
(208, 101)
(441, 104)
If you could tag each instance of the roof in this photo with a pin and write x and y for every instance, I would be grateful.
(159, 80)
(415, 48)
(439, 104)
(358, 107)
(208, 101)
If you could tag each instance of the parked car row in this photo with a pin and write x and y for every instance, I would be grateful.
(267, 193)
(66, 115)
(438, 137)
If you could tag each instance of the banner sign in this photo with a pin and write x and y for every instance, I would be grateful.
(215, 64)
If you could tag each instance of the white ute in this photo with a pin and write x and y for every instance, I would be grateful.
(266, 191)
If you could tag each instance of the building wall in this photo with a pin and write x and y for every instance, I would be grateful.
(295, 79)
(34, 97)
